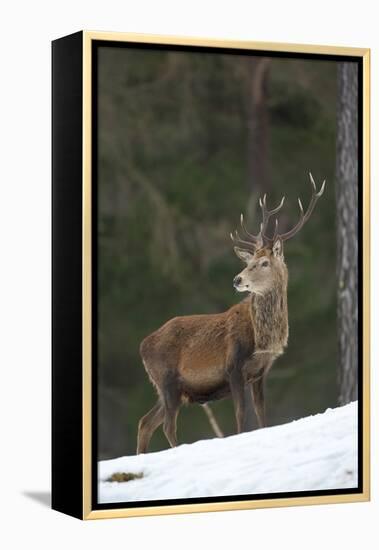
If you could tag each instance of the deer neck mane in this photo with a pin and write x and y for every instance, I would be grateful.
(269, 315)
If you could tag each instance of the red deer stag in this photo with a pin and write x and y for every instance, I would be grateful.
(201, 358)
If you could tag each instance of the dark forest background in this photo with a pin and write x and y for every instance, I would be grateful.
(186, 142)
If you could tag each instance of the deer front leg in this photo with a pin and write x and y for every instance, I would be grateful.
(257, 392)
(237, 389)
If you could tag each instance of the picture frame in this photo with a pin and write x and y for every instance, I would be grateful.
(75, 204)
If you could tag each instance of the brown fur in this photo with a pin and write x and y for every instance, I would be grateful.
(200, 358)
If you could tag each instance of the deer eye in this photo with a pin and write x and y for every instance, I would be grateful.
(264, 264)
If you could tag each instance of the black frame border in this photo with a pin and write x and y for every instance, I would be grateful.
(67, 258)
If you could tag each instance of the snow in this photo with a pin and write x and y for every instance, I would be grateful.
(313, 453)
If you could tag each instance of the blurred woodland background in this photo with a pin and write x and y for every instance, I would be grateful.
(186, 142)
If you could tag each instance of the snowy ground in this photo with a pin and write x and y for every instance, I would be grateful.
(317, 452)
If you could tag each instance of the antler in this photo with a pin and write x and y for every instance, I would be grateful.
(304, 217)
(257, 241)
(252, 244)
(266, 214)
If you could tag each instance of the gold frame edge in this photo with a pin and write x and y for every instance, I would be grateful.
(364, 54)
(222, 43)
(366, 246)
(87, 277)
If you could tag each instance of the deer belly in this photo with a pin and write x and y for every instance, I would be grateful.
(202, 374)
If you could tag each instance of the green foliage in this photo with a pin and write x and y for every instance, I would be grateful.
(172, 181)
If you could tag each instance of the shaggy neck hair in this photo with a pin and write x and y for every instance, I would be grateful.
(269, 315)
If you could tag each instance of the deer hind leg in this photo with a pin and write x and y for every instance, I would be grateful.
(172, 401)
(258, 394)
(147, 426)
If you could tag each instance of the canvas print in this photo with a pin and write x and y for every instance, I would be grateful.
(227, 275)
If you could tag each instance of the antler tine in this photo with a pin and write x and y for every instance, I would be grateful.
(266, 214)
(238, 241)
(314, 186)
(305, 216)
(250, 235)
(312, 182)
(275, 231)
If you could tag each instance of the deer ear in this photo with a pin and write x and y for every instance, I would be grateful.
(277, 249)
(243, 255)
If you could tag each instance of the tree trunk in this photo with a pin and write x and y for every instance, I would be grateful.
(257, 122)
(347, 224)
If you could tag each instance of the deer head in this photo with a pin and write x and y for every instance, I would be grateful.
(262, 254)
